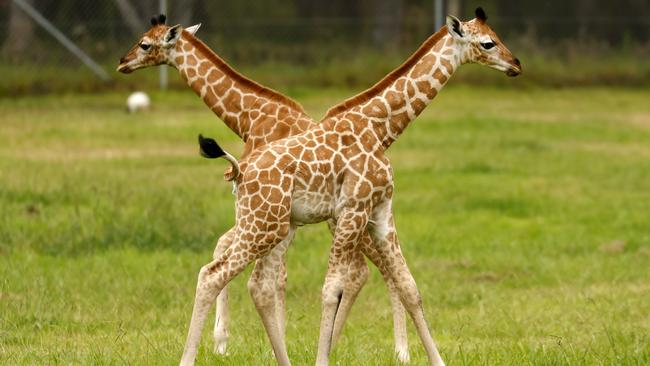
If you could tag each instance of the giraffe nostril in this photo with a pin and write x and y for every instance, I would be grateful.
(516, 60)
(122, 60)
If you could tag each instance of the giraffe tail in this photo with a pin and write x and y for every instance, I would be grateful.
(208, 148)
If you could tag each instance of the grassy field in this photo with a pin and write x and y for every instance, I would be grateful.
(524, 216)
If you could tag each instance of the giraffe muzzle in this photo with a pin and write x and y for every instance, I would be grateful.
(124, 68)
(514, 70)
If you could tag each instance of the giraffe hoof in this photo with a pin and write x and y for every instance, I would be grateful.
(220, 348)
(220, 342)
(403, 355)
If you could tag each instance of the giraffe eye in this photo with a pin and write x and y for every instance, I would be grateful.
(487, 45)
(145, 46)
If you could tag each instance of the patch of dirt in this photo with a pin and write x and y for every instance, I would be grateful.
(613, 247)
(487, 277)
(32, 210)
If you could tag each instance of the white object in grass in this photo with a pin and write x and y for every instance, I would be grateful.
(138, 101)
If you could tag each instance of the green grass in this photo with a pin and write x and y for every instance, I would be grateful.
(524, 216)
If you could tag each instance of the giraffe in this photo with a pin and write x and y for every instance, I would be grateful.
(338, 170)
(258, 115)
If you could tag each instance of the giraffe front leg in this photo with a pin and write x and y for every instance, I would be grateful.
(385, 241)
(262, 287)
(356, 279)
(399, 313)
(281, 295)
(222, 320)
(350, 226)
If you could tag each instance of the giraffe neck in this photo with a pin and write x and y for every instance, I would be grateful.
(399, 98)
(235, 99)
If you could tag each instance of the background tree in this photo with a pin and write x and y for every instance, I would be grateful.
(20, 32)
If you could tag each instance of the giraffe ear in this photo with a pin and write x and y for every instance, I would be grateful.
(172, 35)
(192, 30)
(455, 27)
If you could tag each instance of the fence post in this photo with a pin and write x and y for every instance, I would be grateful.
(164, 79)
(65, 41)
(438, 14)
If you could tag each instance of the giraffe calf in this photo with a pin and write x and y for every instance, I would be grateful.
(258, 115)
(338, 171)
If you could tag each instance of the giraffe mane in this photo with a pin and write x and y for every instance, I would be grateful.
(257, 88)
(388, 79)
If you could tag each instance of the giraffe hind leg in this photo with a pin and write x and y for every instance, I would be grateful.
(213, 277)
(350, 225)
(222, 321)
(262, 287)
(399, 313)
(385, 241)
(356, 278)
(280, 297)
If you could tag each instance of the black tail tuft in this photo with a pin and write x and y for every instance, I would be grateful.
(209, 148)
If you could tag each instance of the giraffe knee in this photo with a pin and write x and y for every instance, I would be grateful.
(410, 295)
(260, 293)
(223, 243)
(204, 272)
(332, 298)
(364, 273)
(206, 278)
(207, 284)
(357, 278)
(332, 291)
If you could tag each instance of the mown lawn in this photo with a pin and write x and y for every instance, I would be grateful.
(524, 216)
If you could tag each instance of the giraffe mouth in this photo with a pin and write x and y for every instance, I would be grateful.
(512, 72)
(124, 68)
(515, 68)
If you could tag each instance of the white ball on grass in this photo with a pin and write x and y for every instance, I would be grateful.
(138, 101)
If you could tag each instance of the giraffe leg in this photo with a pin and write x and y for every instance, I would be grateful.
(350, 226)
(399, 324)
(399, 313)
(262, 288)
(220, 333)
(280, 296)
(412, 300)
(385, 240)
(355, 281)
(214, 276)
(356, 278)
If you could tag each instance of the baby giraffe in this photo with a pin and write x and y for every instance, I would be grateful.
(338, 171)
(258, 115)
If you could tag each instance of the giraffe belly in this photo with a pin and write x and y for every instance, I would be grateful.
(311, 209)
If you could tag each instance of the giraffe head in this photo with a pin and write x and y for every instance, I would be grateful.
(479, 44)
(155, 47)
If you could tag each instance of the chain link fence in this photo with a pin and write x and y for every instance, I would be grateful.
(323, 36)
